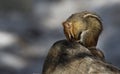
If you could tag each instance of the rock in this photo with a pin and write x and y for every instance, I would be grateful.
(72, 58)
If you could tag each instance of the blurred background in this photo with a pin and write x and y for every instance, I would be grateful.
(28, 28)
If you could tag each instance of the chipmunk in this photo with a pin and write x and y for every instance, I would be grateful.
(85, 28)
(65, 56)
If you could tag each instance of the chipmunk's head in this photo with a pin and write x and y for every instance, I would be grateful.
(80, 22)
(73, 26)
(76, 21)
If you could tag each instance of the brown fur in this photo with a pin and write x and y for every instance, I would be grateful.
(85, 28)
(84, 22)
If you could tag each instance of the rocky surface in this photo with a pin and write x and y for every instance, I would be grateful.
(72, 58)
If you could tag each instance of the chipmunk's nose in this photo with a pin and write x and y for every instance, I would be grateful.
(67, 25)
